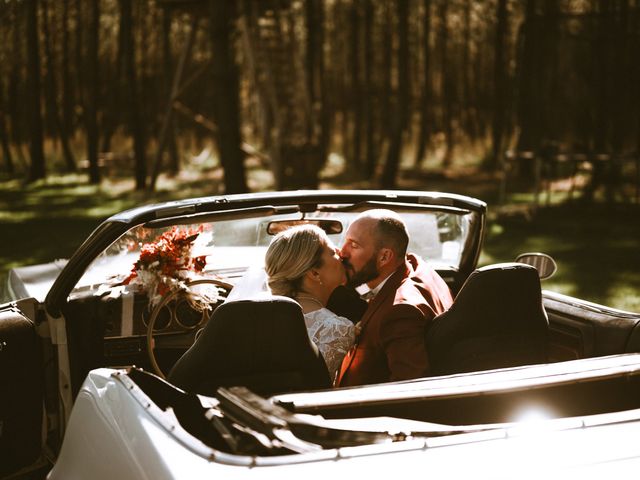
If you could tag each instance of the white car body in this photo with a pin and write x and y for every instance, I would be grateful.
(72, 407)
(116, 431)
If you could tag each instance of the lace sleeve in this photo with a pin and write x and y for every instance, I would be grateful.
(333, 335)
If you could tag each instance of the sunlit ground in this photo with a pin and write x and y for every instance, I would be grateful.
(595, 244)
(595, 247)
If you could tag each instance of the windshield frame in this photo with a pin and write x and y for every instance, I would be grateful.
(113, 227)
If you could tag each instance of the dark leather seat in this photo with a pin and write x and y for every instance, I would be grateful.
(496, 320)
(261, 344)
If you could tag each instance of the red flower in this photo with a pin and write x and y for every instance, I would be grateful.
(199, 263)
(166, 259)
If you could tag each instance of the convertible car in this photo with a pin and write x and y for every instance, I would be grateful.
(525, 382)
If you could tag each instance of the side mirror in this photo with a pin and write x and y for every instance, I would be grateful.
(545, 264)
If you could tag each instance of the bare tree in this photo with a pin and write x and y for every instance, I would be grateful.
(368, 111)
(448, 83)
(468, 102)
(400, 110)
(4, 138)
(499, 86)
(92, 88)
(133, 109)
(174, 159)
(425, 100)
(36, 150)
(355, 85)
(52, 91)
(67, 89)
(226, 95)
(4, 67)
(527, 76)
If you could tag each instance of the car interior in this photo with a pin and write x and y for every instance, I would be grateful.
(125, 329)
(262, 344)
(500, 316)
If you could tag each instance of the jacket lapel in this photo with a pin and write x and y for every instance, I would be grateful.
(388, 289)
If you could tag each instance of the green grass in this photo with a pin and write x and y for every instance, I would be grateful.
(48, 220)
(595, 245)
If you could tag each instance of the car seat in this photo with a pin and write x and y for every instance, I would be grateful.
(260, 343)
(496, 320)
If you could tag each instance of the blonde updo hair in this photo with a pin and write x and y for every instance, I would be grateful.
(291, 254)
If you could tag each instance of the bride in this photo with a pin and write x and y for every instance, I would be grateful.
(302, 263)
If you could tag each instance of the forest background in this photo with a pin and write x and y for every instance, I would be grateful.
(530, 105)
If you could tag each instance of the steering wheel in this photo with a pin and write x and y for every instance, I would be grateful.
(158, 308)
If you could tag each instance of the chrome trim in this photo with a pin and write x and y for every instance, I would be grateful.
(586, 305)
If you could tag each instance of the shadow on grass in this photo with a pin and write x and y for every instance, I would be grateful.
(595, 246)
(48, 220)
(43, 240)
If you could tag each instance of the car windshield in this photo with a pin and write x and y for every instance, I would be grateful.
(230, 246)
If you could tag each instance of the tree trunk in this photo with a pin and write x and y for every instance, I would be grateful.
(79, 53)
(226, 96)
(67, 89)
(316, 82)
(4, 137)
(621, 34)
(174, 159)
(355, 99)
(115, 88)
(386, 72)
(530, 118)
(549, 126)
(499, 87)
(447, 85)
(636, 105)
(368, 111)
(326, 111)
(423, 136)
(528, 77)
(6, 151)
(93, 91)
(174, 90)
(401, 108)
(135, 121)
(14, 94)
(52, 91)
(469, 100)
(36, 150)
(311, 52)
(601, 75)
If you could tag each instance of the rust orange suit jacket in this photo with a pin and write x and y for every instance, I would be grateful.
(391, 345)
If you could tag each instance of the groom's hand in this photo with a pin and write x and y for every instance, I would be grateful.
(346, 302)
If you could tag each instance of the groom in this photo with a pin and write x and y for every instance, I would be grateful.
(404, 295)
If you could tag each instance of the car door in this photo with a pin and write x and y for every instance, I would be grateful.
(581, 329)
(21, 390)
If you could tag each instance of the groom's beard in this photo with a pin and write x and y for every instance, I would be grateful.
(368, 272)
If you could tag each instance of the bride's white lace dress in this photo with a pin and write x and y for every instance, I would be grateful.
(332, 334)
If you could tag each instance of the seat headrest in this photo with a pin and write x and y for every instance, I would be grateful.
(497, 319)
(261, 343)
(506, 295)
(263, 329)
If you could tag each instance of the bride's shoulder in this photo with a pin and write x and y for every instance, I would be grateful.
(327, 316)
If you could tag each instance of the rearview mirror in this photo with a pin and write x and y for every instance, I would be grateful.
(332, 227)
(545, 264)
